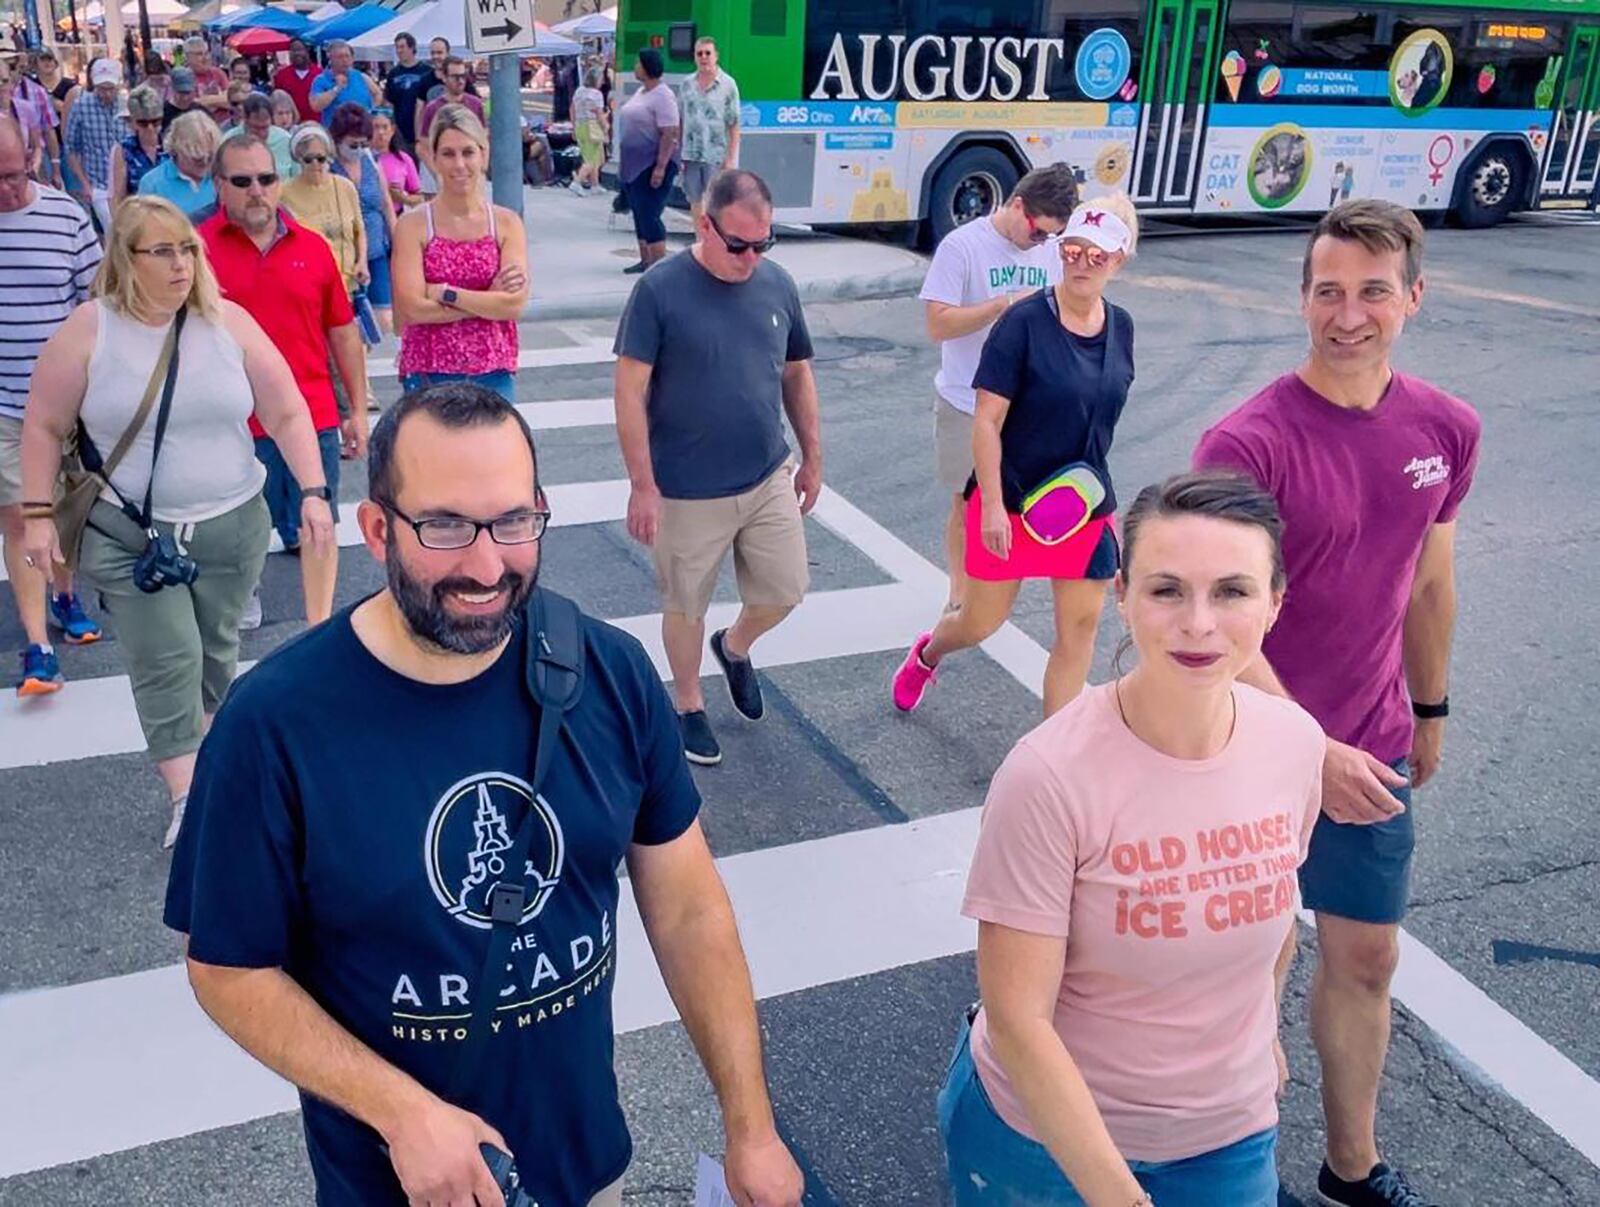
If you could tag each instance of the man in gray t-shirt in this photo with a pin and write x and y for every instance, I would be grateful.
(711, 345)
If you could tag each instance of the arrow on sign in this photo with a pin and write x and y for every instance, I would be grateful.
(507, 31)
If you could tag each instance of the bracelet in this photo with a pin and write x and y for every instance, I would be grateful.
(38, 511)
(36, 503)
(1431, 712)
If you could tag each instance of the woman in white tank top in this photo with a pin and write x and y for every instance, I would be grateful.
(181, 642)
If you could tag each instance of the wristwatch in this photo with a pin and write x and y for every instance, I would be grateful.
(1431, 712)
(316, 492)
(448, 296)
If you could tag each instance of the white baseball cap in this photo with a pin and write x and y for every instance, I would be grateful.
(105, 71)
(1100, 227)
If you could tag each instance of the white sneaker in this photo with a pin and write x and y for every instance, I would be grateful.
(250, 619)
(577, 188)
(171, 840)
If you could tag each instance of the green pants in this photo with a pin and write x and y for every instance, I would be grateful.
(181, 644)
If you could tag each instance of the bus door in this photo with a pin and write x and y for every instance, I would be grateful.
(1179, 67)
(1573, 157)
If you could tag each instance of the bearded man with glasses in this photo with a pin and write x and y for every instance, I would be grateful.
(712, 351)
(286, 277)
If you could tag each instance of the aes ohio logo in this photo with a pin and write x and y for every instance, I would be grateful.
(469, 839)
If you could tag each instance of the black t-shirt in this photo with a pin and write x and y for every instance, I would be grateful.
(403, 89)
(171, 113)
(344, 825)
(1066, 393)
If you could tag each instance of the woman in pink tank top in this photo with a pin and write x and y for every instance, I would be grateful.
(460, 270)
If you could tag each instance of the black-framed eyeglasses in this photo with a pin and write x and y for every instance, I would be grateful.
(737, 247)
(243, 181)
(458, 532)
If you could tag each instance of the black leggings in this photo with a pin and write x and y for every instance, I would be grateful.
(647, 204)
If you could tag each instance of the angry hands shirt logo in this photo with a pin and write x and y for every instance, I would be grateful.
(1427, 471)
(469, 839)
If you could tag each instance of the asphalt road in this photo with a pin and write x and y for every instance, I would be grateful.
(1507, 885)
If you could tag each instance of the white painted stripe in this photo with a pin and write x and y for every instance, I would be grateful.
(112, 1064)
(596, 352)
(568, 412)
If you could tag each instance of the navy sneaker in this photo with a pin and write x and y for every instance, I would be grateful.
(41, 672)
(67, 614)
(1382, 1187)
(744, 685)
(699, 743)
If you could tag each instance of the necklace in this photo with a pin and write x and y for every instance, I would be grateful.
(1233, 721)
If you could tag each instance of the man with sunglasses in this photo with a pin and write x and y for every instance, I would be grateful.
(709, 102)
(286, 277)
(712, 351)
(979, 270)
(339, 897)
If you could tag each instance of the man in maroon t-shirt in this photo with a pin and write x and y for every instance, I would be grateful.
(1369, 467)
(296, 77)
(286, 277)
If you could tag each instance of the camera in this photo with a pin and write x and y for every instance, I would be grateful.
(504, 1171)
(163, 564)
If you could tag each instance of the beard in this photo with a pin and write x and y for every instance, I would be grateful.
(425, 613)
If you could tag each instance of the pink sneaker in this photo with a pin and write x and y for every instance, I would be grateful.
(915, 677)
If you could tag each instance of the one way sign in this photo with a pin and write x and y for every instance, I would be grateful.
(497, 26)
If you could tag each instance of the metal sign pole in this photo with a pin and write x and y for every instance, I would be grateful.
(505, 130)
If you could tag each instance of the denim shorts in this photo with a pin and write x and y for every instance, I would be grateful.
(1361, 872)
(992, 1165)
(380, 289)
(282, 492)
(502, 382)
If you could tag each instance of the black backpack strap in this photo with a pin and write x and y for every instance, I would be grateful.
(554, 674)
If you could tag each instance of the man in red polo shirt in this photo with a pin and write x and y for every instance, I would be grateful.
(286, 277)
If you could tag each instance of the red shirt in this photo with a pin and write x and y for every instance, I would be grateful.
(291, 82)
(213, 81)
(294, 290)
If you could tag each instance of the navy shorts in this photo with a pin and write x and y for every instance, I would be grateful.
(1361, 872)
(283, 492)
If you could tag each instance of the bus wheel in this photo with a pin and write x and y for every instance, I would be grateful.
(1489, 188)
(974, 184)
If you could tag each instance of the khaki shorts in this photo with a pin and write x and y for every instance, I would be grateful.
(764, 527)
(10, 461)
(952, 445)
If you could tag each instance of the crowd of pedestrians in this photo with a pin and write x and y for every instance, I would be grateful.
(1142, 853)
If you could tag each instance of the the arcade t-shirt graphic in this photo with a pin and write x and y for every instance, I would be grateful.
(469, 836)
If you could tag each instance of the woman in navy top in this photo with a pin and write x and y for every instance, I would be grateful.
(1051, 384)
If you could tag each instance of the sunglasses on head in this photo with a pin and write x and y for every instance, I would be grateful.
(737, 247)
(244, 180)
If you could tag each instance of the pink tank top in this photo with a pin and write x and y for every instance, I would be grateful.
(471, 344)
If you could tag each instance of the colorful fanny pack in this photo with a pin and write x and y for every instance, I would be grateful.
(1059, 507)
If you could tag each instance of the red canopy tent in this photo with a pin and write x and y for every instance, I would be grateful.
(259, 40)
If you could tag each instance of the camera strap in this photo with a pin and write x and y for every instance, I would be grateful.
(554, 677)
(166, 369)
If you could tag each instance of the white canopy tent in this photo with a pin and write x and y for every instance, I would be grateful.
(602, 24)
(442, 19)
(161, 11)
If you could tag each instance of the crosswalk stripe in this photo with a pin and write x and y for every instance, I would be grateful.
(593, 353)
(124, 1061)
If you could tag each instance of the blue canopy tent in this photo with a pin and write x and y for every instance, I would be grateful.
(279, 19)
(351, 23)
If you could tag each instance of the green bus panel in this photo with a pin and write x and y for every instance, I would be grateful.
(761, 42)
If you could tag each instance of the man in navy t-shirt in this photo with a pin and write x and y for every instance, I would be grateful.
(335, 894)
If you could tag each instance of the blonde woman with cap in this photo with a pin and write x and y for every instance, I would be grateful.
(327, 203)
(202, 485)
(1051, 383)
(184, 176)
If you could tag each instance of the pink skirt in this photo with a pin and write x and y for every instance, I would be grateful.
(1090, 553)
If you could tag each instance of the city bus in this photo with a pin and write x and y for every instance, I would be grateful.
(927, 111)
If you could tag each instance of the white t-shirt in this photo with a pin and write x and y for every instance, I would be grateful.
(974, 263)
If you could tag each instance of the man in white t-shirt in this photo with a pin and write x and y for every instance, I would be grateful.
(977, 271)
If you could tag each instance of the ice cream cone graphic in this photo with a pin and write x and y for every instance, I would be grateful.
(1233, 73)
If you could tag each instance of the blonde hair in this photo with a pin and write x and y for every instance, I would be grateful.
(1120, 205)
(117, 284)
(194, 134)
(460, 119)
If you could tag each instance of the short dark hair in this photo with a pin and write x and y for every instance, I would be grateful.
(300, 42)
(736, 186)
(1379, 226)
(243, 140)
(454, 405)
(1049, 192)
(440, 38)
(650, 60)
(1217, 494)
(256, 103)
(349, 118)
(405, 39)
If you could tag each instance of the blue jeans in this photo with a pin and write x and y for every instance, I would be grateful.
(992, 1165)
(502, 383)
(282, 492)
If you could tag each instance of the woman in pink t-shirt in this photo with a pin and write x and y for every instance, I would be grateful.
(1135, 888)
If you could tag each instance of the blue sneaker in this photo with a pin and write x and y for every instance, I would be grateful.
(67, 614)
(41, 673)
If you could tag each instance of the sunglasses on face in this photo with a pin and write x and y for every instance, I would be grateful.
(264, 179)
(313, 159)
(147, 121)
(1094, 257)
(737, 247)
